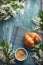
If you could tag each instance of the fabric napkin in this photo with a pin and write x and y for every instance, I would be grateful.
(17, 36)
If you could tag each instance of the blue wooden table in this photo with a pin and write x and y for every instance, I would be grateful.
(22, 19)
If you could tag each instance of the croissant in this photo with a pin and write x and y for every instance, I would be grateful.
(31, 38)
(35, 36)
(29, 41)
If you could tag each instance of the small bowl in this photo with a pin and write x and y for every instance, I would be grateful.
(24, 51)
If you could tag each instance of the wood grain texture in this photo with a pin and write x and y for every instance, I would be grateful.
(22, 20)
